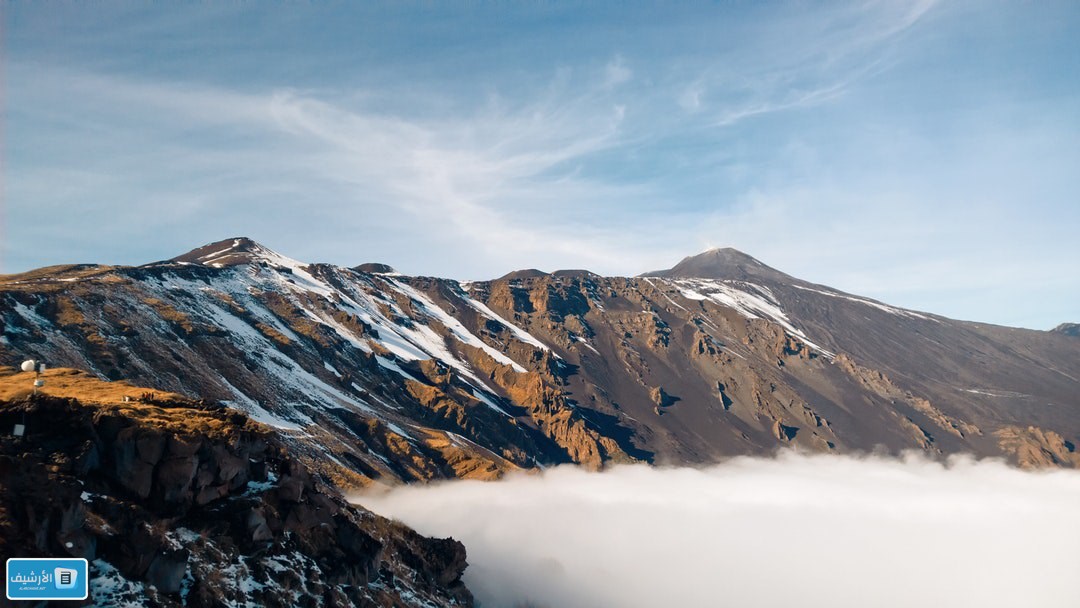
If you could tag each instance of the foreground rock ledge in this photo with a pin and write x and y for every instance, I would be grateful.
(177, 502)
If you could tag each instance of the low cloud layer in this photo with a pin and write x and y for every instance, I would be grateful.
(797, 530)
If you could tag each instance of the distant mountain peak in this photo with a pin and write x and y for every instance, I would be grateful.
(1068, 329)
(528, 273)
(720, 263)
(575, 273)
(723, 251)
(726, 255)
(229, 252)
(375, 268)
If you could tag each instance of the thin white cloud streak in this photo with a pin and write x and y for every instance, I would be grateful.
(473, 176)
(797, 99)
(819, 56)
(470, 177)
(814, 531)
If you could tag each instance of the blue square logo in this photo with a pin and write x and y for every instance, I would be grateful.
(47, 579)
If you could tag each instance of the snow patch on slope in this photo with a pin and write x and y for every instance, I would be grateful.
(748, 299)
(519, 333)
(456, 328)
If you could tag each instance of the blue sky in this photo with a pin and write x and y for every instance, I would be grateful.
(922, 153)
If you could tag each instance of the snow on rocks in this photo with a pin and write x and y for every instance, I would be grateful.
(748, 299)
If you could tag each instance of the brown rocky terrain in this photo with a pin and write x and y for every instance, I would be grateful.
(180, 502)
(370, 375)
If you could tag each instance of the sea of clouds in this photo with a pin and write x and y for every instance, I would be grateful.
(793, 530)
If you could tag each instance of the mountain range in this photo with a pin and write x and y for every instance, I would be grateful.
(208, 414)
(374, 375)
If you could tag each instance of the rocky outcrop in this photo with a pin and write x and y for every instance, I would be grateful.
(191, 503)
(1034, 447)
(661, 397)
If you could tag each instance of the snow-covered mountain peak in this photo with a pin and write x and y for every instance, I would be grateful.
(232, 252)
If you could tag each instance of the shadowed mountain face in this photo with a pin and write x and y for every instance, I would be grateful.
(375, 375)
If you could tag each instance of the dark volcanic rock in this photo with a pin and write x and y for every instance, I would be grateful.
(575, 273)
(722, 263)
(126, 487)
(374, 267)
(528, 273)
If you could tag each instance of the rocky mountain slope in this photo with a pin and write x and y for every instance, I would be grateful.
(371, 375)
(176, 502)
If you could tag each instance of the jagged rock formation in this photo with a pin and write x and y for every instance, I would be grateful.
(369, 374)
(176, 502)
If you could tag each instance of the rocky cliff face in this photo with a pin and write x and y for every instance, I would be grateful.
(371, 375)
(176, 502)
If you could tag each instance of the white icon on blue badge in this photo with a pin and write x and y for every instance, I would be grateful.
(65, 578)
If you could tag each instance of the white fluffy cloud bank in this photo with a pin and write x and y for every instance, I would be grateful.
(796, 530)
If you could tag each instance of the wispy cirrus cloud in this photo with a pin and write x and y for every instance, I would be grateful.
(469, 177)
(788, 100)
(856, 145)
(815, 57)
